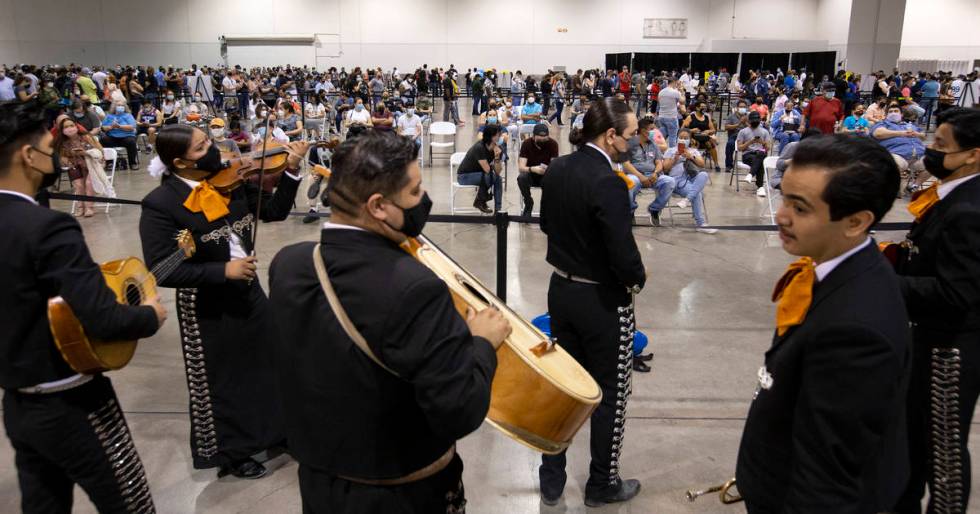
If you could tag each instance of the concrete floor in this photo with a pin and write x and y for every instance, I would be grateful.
(706, 309)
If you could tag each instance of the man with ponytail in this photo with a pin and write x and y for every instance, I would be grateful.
(585, 211)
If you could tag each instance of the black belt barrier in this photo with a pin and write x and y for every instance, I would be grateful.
(501, 220)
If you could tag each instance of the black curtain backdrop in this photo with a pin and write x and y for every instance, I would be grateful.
(817, 64)
(617, 61)
(702, 62)
(661, 61)
(762, 62)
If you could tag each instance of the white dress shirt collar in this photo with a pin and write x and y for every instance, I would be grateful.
(603, 152)
(18, 193)
(823, 269)
(946, 188)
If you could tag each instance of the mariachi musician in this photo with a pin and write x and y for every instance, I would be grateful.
(586, 214)
(374, 406)
(65, 428)
(826, 430)
(226, 333)
(939, 274)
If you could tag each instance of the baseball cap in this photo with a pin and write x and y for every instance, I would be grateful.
(540, 129)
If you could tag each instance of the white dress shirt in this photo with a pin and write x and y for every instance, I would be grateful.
(946, 188)
(823, 269)
(236, 250)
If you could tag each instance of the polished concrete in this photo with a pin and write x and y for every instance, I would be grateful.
(706, 309)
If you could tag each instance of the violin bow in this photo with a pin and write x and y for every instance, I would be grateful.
(258, 205)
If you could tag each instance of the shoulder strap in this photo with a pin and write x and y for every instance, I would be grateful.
(338, 310)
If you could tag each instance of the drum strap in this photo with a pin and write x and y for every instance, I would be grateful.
(338, 310)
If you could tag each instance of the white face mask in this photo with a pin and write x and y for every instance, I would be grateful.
(684, 142)
(895, 117)
(742, 110)
(217, 132)
(280, 113)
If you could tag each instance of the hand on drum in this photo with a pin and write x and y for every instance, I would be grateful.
(489, 324)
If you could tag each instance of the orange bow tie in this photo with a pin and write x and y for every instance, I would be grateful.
(922, 201)
(204, 197)
(629, 183)
(794, 292)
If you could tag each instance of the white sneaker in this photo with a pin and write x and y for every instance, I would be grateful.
(702, 230)
(684, 203)
(761, 192)
(748, 178)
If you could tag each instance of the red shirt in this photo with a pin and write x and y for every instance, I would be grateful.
(823, 113)
(624, 82)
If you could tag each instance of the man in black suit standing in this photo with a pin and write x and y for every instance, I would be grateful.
(585, 211)
(826, 431)
(939, 275)
(66, 428)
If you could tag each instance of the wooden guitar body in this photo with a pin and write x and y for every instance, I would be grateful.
(540, 396)
(132, 283)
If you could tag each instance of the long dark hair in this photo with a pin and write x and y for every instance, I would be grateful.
(602, 115)
(173, 141)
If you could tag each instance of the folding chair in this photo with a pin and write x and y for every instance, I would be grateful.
(454, 186)
(439, 132)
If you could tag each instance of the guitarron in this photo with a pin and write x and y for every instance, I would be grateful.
(132, 283)
(540, 395)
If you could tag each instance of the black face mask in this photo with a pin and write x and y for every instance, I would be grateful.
(934, 161)
(754, 124)
(48, 179)
(414, 217)
(211, 161)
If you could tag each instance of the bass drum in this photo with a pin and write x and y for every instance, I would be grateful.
(541, 396)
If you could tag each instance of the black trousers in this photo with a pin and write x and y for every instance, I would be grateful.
(595, 324)
(73, 437)
(525, 181)
(754, 160)
(129, 143)
(325, 494)
(942, 395)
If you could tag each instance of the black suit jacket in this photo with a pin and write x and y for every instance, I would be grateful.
(585, 212)
(45, 256)
(164, 215)
(829, 435)
(940, 280)
(345, 414)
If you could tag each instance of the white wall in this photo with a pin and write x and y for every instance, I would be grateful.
(941, 29)
(395, 33)
(833, 22)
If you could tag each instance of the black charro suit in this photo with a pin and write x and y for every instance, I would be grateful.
(829, 434)
(940, 281)
(225, 326)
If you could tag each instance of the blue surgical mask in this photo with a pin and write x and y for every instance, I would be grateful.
(500, 141)
(120, 109)
(650, 135)
(359, 107)
(491, 119)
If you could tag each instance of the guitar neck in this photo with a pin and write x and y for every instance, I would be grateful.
(164, 268)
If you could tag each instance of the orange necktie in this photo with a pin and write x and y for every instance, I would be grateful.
(922, 201)
(204, 197)
(794, 292)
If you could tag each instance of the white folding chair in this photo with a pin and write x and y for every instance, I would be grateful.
(687, 210)
(454, 186)
(110, 155)
(443, 137)
(769, 167)
(741, 169)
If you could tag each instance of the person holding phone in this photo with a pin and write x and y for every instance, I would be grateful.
(754, 142)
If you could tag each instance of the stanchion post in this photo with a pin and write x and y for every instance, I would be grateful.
(502, 220)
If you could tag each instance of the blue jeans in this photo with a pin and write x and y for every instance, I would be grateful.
(730, 152)
(929, 105)
(668, 127)
(664, 187)
(559, 105)
(691, 189)
(786, 138)
(483, 181)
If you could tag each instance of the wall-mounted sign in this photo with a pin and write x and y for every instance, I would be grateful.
(665, 28)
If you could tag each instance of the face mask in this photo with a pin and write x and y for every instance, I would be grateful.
(414, 217)
(754, 124)
(935, 163)
(858, 114)
(530, 100)
(805, 104)
(197, 99)
(48, 178)
(70, 132)
(120, 109)
(828, 95)
(619, 157)
(280, 113)
(359, 107)
(742, 110)
(491, 120)
(894, 117)
(411, 112)
(651, 134)
(170, 97)
(217, 132)
(211, 161)
(79, 114)
(683, 142)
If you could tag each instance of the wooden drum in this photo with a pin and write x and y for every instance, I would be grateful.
(540, 396)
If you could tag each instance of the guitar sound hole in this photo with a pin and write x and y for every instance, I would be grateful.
(133, 296)
(473, 290)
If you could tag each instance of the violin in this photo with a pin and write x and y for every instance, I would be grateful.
(240, 169)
